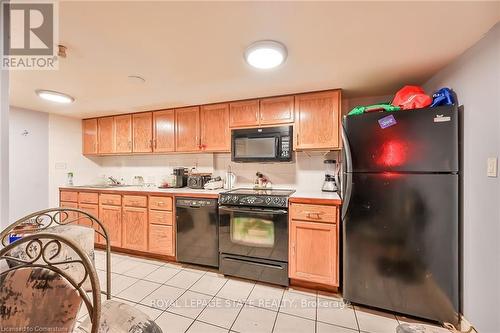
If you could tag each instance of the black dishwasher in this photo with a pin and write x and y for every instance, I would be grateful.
(197, 221)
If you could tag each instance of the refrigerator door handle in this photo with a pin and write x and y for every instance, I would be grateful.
(347, 174)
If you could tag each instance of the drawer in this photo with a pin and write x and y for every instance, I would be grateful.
(160, 217)
(135, 201)
(316, 213)
(69, 196)
(161, 240)
(161, 203)
(110, 199)
(88, 198)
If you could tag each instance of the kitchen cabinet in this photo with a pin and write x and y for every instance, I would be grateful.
(161, 239)
(244, 113)
(187, 129)
(123, 134)
(161, 233)
(92, 209)
(135, 228)
(215, 133)
(317, 120)
(106, 135)
(276, 110)
(164, 131)
(111, 218)
(68, 196)
(89, 136)
(72, 216)
(313, 246)
(142, 129)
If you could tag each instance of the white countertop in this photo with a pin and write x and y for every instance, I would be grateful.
(182, 190)
(316, 195)
(186, 190)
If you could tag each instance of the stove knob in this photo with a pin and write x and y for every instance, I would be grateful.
(268, 200)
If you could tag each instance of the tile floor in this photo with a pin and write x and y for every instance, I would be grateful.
(184, 298)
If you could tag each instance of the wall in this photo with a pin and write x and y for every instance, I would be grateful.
(4, 140)
(28, 162)
(475, 76)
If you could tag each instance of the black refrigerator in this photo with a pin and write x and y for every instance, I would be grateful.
(401, 212)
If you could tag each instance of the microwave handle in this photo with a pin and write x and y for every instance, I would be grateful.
(277, 147)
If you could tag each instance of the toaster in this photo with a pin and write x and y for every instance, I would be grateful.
(198, 180)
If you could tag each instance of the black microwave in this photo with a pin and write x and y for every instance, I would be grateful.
(267, 144)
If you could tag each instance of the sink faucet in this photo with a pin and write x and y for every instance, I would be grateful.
(114, 181)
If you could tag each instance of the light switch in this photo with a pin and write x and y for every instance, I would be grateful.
(492, 167)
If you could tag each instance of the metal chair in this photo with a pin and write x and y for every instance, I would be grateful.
(48, 220)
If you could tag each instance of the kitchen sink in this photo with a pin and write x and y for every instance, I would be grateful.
(102, 186)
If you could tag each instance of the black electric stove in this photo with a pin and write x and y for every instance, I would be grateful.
(253, 234)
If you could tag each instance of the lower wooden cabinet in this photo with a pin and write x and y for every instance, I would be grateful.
(161, 239)
(72, 216)
(93, 210)
(111, 217)
(135, 228)
(314, 244)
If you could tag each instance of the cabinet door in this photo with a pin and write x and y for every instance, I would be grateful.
(106, 134)
(276, 110)
(164, 131)
(123, 134)
(72, 216)
(313, 252)
(89, 132)
(187, 129)
(142, 125)
(317, 120)
(94, 211)
(244, 113)
(215, 133)
(135, 228)
(111, 217)
(161, 239)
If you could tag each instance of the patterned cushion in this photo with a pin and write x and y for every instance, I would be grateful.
(117, 317)
(37, 298)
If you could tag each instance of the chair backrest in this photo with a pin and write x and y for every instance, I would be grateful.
(37, 293)
(55, 217)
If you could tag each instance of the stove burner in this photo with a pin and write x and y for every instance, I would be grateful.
(251, 197)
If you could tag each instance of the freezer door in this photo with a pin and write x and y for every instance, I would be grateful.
(400, 238)
(423, 140)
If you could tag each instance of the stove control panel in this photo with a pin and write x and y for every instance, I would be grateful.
(253, 200)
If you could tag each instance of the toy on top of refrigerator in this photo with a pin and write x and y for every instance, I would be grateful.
(411, 97)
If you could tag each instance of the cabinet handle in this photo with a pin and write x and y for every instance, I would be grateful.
(156, 143)
(151, 144)
(310, 215)
(130, 144)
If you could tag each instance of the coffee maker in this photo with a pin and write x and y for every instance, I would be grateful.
(181, 176)
(331, 172)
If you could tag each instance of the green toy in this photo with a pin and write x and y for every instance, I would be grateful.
(374, 107)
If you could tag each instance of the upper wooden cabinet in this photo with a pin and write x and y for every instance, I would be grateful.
(215, 133)
(123, 134)
(187, 129)
(276, 110)
(317, 120)
(143, 132)
(164, 131)
(106, 135)
(89, 132)
(244, 113)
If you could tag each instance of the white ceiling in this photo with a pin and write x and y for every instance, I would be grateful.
(192, 53)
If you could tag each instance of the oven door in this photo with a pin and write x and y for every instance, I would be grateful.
(254, 232)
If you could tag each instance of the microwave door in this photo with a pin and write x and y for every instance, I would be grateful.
(247, 149)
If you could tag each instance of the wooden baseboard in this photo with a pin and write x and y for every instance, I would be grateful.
(141, 254)
(313, 285)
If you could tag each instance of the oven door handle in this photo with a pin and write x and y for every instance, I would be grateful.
(254, 210)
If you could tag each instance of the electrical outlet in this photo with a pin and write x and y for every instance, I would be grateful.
(492, 167)
(60, 166)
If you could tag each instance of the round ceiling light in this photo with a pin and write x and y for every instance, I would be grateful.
(54, 96)
(265, 54)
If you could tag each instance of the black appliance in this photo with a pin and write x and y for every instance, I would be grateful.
(401, 212)
(181, 177)
(253, 234)
(197, 231)
(198, 181)
(268, 144)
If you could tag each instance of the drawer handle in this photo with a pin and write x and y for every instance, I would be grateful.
(310, 215)
(160, 203)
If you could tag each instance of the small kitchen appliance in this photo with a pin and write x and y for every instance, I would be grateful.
(230, 179)
(198, 180)
(269, 144)
(330, 183)
(181, 177)
(253, 234)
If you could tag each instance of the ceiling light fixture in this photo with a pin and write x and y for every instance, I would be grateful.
(55, 96)
(265, 54)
